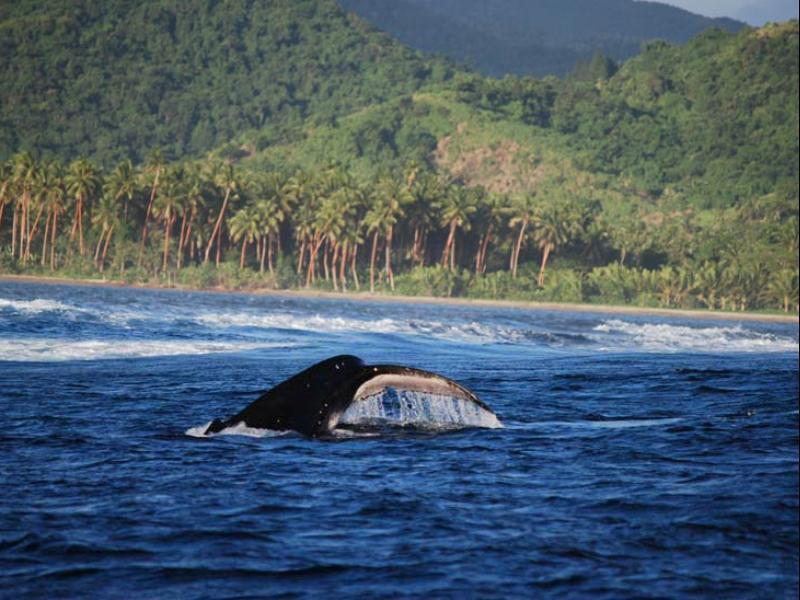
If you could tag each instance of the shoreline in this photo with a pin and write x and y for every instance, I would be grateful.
(400, 299)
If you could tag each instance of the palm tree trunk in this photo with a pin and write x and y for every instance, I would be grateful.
(312, 259)
(353, 268)
(372, 261)
(389, 272)
(547, 250)
(301, 255)
(325, 254)
(99, 243)
(80, 226)
(219, 249)
(147, 213)
(34, 229)
(167, 231)
(269, 257)
(480, 266)
(333, 267)
(44, 240)
(188, 237)
(105, 248)
(517, 248)
(179, 258)
(14, 230)
(343, 266)
(23, 228)
(244, 249)
(217, 228)
(53, 241)
(448, 244)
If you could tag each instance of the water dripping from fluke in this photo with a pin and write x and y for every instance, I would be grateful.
(410, 409)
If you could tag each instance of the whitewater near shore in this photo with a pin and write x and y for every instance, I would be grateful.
(397, 298)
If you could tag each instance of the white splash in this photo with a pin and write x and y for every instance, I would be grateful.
(238, 429)
(406, 408)
(296, 322)
(58, 349)
(36, 306)
(664, 337)
(467, 332)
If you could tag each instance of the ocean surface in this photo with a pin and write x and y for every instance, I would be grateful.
(639, 456)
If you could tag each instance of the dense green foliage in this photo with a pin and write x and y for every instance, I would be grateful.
(193, 223)
(670, 180)
(713, 122)
(113, 79)
(525, 37)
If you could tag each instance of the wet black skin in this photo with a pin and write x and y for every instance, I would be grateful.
(311, 401)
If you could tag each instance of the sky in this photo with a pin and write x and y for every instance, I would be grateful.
(754, 12)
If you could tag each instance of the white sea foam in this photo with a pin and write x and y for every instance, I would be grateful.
(56, 349)
(664, 337)
(38, 305)
(407, 408)
(238, 429)
(469, 332)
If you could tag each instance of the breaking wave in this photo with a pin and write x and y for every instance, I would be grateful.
(664, 337)
(56, 349)
(37, 306)
(470, 332)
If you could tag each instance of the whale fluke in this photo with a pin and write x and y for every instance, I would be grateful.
(313, 401)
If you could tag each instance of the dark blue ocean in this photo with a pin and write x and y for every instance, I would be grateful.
(639, 456)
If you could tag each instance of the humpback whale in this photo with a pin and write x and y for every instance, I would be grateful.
(313, 401)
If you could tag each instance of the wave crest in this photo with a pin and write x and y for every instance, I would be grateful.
(664, 337)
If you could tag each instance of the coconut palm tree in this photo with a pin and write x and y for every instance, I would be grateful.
(121, 184)
(192, 202)
(783, 289)
(5, 189)
(23, 174)
(154, 167)
(105, 219)
(494, 209)
(167, 206)
(427, 191)
(455, 209)
(229, 181)
(522, 209)
(83, 184)
(387, 207)
(53, 194)
(555, 224)
(245, 226)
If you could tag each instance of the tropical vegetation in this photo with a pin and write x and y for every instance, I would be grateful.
(341, 160)
(212, 223)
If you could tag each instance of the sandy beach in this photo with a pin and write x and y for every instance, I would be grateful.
(377, 297)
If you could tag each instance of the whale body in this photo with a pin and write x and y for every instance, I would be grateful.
(313, 401)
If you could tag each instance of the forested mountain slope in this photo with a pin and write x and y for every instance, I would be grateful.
(709, 123)
(117, 78)
(532, 37)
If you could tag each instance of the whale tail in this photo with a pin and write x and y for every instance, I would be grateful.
(313, 401)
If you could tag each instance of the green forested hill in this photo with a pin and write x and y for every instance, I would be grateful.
(532, 37)
(117, 78)
(301, 147)
(707, 124)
